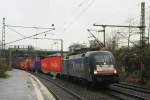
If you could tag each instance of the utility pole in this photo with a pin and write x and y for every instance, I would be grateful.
(104, 28)
(129, 36)
(142, 38)
(3, 39)
(61, 47)
(104, 35)
(142, 24)
(149, 30)
(10, 57)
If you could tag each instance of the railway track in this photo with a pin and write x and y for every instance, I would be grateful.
(76, 91)
(118, 91)
(134, 87)
(72, 95)
(127, 91)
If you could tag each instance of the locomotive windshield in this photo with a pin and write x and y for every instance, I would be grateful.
(103, 59)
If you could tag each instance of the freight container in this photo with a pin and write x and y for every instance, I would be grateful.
(37, 63)
(44, 65)
(56, 64)
(23, 64)
(31, 64)
(26, 64)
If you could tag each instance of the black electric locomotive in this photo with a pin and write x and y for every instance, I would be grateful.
(93, 66)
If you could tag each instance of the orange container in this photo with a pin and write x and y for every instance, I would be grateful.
(31, 64)
(24, 64)
(27, 63)
(21, 64)
(44, 65)
(55, 64)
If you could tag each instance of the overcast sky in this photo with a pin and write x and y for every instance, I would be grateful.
(70, 17)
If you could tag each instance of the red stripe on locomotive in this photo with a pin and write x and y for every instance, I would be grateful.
(106, 72)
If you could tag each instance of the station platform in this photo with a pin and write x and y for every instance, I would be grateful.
(21, 85)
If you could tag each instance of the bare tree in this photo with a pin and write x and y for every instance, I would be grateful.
(112, 42)
(76, 46)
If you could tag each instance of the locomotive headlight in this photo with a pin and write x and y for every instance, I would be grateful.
(95, 72)
(115, 71)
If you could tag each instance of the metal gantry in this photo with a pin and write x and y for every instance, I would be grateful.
(104, 28)
(61, 40)
(3, 38)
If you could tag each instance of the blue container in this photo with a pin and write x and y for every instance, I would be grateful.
(37, 63)
(37, 66)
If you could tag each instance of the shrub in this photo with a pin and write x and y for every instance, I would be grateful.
(3, 68)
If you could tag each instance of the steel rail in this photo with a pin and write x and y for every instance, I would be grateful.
(133, 87)
(60, 86)
(124, 91)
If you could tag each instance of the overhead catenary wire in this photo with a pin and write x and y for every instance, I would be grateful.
(82, 3)
(79, 15)
(27, 37)
(135, 18)
(28, 27)
(80, 6)
(15, 31)
(126, 38)
(67, 26)
(138, 16)
(99, 43)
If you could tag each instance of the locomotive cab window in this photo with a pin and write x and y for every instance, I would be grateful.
(103, 59)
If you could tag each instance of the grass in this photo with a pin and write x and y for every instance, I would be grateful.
(134, 77)
(5, 75)
(147, 84)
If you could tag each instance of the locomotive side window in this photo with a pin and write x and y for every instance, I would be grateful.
(86, 60)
